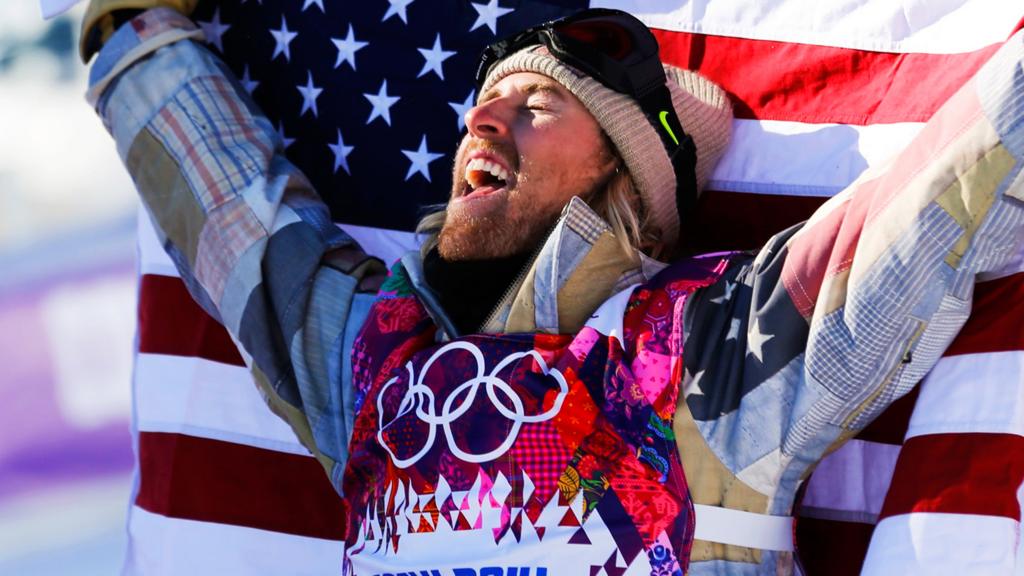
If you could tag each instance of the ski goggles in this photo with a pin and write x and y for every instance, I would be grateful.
(620, 52)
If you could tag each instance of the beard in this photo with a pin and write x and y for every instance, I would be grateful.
(500, 234)
(517, 219)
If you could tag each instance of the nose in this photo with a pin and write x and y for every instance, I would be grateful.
(488, 119)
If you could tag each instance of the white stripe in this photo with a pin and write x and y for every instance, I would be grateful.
(799, 159)
(159, 545)
(935, 544)
(972, 393)
(945, 27)
(198, 397)
(725, 526)
(152, 258)
(840, 486)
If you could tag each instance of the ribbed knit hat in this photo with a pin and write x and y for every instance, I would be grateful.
(702, 106)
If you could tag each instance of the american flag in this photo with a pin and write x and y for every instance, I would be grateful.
(369, 97)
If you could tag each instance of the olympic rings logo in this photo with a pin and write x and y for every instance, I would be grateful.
(420, 399)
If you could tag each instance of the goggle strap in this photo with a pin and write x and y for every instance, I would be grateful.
(682, 152)
(684, 162)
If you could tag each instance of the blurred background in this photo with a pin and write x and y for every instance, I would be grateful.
(67, 298)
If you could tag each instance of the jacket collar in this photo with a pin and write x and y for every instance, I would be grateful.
(579, 266)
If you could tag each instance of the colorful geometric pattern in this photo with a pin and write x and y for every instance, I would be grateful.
(565, 443)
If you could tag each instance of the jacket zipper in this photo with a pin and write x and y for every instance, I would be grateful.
(517, 283)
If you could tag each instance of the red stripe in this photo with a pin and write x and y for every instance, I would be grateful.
(958, 474)
(996, 318)
(737, 221)
(830, 547)
(213, 481)
(170, 322)
(820, 84)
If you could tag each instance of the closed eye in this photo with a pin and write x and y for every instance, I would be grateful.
(539, 105)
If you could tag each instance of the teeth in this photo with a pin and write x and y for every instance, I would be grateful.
(483, 165)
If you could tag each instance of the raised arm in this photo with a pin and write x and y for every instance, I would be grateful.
(795, 352)
(252, 240)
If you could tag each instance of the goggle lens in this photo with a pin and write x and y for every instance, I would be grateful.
(608, 38)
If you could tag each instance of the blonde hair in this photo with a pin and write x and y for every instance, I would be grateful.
(621, 207)
(618, 204)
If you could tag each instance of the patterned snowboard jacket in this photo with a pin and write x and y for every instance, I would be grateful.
(751, 379)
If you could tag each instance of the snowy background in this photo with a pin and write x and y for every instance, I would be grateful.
(67, 297)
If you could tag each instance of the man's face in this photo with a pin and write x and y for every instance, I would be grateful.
(530, 147)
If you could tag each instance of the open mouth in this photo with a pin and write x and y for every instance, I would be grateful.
(484, 176)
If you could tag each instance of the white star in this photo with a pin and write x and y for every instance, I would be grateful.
(347, 48)
(214, 30)
(382, 104)
(420, 160)
(309, 95)
(341, 153)
(286, 141)
(434, 57)
(248, 83)
(729, 287)
(282, 38)
(756, 340)
(489, 14)
(462, 108)
(308, 3)
(397, 7)
(691, 384)
(734, 329)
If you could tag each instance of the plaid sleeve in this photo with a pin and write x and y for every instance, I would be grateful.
(253, 242)
(794, 352)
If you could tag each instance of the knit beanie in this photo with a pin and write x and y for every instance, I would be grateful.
(702, 106)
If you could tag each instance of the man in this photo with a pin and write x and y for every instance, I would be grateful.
(484, 430)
